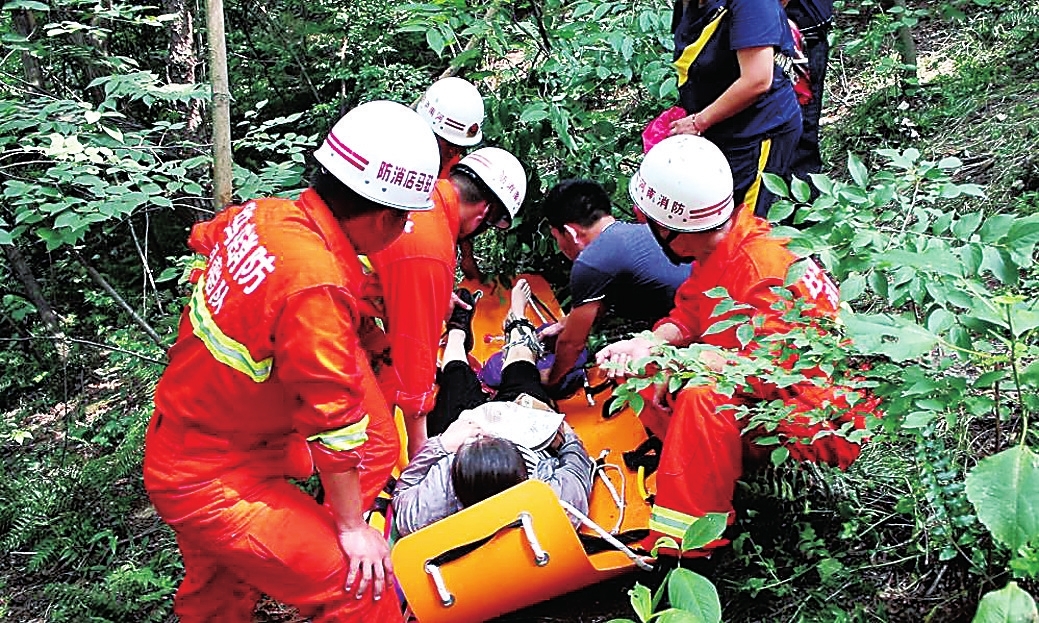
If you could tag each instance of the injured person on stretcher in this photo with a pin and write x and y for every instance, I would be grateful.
(481, 445)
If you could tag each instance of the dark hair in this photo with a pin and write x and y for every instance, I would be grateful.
(342, 200)
(470, 187)
(578, 201)
(484, 467)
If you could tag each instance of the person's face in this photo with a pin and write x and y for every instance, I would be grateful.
(684, 247)
(566, 243)
(492, 214)
(385, 227)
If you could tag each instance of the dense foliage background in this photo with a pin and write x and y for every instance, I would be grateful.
(930, 226)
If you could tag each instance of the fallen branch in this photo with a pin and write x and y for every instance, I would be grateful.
(96, 276)
(86, 343)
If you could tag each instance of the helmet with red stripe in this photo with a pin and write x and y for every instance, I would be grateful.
(684, 184)
(385, 152)
(453, 107)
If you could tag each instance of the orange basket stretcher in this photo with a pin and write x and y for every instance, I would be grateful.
(519, 548)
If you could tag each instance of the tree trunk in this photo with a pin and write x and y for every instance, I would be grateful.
(34, 293)
(222, 163)
(24, 25)
(906, 45)
(182, 59)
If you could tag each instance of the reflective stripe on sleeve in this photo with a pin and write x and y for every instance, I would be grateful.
(223, 348)
(693, 50)
(345, 438)
(670, 522)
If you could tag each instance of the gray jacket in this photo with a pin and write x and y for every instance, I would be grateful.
(424, 493)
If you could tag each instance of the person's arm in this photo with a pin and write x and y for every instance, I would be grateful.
(625, 353)
(366, 551)
(756, 72)
(317, 353)
(424, 493)
(417, 295)
(571, 479)
(572, 340)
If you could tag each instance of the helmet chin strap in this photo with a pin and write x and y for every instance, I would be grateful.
(665, 246)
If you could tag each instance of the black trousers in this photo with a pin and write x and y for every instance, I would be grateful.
(460, 389)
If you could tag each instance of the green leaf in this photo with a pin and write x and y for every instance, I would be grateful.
(641, 602)
(6, 237)
(695, 594)
(1004, 489)
(966, 225)
(940, 320)
(919, 419)
(891, 336)
(29, 5)
(1008, 605)
(537, 111)
(776, 185)
(995, 227)
(704, 530)
(990, 378)
(852, 287)
(999, 264)
(745, 333)
(829, 567)
(435, 40)
(800, 190)
(858, 171)
(779, 455)
(780, 210)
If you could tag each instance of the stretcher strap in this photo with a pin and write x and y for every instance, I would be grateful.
(432, 567)
(639, 561)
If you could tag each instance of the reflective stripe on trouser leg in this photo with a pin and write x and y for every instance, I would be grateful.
(700, 462)
(751, 198)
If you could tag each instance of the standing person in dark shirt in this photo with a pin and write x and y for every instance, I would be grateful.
(618, 268)
(733, 90)
(813, 18)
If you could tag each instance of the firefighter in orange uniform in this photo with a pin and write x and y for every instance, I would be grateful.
(415, 274)
(684, 187)
(267, 381)
(453, 107)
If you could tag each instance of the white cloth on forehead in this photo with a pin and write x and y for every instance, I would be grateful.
(524, 426)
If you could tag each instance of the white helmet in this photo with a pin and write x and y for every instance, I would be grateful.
(453, 107)
(501, 172)
(384, 152)
(684, 184)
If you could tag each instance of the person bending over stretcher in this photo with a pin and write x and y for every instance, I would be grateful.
(490, 444)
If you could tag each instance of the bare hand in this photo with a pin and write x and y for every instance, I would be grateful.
(553, 329)
(713, 360)
(685, 125)
(457, 302)
(368, 557)
(623, 355)
(460, 431)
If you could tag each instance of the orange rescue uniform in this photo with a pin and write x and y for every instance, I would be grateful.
(267, 381)
(446, 169)
(704, 450)
(414, 278)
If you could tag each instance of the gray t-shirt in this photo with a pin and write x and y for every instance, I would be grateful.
(626, 269)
